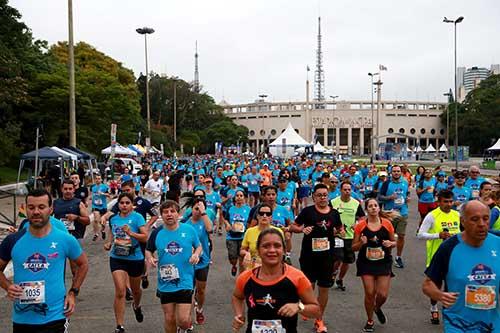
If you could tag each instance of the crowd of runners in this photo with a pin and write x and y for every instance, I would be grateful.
(165, 218)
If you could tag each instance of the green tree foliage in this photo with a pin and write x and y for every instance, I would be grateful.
(200, 121)
(478, 127)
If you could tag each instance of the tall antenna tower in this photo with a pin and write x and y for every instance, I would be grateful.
(319, 74)
(196, 73)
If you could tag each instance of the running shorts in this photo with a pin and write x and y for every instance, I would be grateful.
(134, 268)
(201, 274)
(184, 296)
(233, 249)
(304, 192)
(399, 224)
(318, 271)
(57, 326)
(101, 211)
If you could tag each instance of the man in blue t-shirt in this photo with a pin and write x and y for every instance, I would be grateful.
(38, 254)
(468, 266)
(474, 181)
(394, 195)
(178, 251)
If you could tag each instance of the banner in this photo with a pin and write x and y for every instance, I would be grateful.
(113, 140)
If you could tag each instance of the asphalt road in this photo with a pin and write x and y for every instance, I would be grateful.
(407, 309)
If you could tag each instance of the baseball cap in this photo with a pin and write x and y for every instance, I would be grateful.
(441, 174)
(346, 175)
(282, 179)
(382, 174)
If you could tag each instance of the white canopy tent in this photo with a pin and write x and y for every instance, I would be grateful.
(496, 146)
(430, 149)
(287, 142)
(119, 150)
(443, 148)
(318, 148)
(418, 149)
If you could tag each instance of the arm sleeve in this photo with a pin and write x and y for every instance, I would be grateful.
(427, 223)
(360, 212)
(151, 244)
(300, 219)
(73, 248)
(6, 247)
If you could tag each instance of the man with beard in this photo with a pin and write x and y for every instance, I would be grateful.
(38, 254)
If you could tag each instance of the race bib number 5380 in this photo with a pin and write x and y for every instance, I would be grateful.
(267, 326)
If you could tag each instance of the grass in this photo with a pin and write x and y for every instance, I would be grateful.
(9, 175)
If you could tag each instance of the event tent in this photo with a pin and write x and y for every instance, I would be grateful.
(430, 149)
(443, 148)
(72, 156)
(496, 146)
(45, 153)
(318, 148)
(119, 150)
(85, 155)
(285, 144)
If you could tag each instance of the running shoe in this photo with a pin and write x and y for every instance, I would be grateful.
(128, 295)
(369, 326)
(234, 270)
(340, 285)
(200, 317)
(120, 329)
(95, 237)
(320, 327)
(103, 234)
(398, 262)
(380, 316)
(144, 282)
(139, 316)
(435, 317)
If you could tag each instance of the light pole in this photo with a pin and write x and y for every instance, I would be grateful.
(333, 97)
(145, 31)
(175, 113)
(449, 95)
(455, 22)
(373, 149)
(71, 56)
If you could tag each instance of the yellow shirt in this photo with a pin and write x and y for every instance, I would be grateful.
(250, 239)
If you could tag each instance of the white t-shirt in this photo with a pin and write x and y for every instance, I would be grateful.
(153, 190)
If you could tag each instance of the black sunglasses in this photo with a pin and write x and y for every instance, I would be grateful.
(265, 214)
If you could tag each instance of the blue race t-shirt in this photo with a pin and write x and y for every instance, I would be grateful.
(473, 273)
(237, 218)
(280, 215)
(134, 221)
(474, 185)
(39, 266)
(428, 195)
(202, 234)
(98, 196)
(253, 182)
(212, 199)
(401, 190)
(461, 194)
(174, 249)
(285, 198)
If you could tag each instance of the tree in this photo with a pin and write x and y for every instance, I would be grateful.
(477, 116)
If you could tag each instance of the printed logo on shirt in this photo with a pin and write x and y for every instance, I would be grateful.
(449, 224)
(173, 248)
(482, 274)
(36, 262)
(53, 245)
(54, 255)
(266, 301)
(139, 202)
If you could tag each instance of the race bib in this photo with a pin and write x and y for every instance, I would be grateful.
(169, 272)
(267, 326)
(238, 227)
(480, 297)
(374, 253)
(253, 182)
(430, 190)
(339, 243)
(70, 225)
(122, 247)
(399, 201)
(320, 244)
(369, 188)
(475, 193)
(33, 292)
(98, 201)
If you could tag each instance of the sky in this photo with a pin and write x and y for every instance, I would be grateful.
(249, 48)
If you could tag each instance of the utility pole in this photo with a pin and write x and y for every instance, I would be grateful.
(175, 113)
(71, 56)
(145, 31)
(379, 104)
(36, 156)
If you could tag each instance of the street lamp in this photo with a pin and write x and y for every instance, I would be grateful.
(333, 97)
(262, 96)
(449, 95)
(145, 31)
(455, 22)
(373, 123)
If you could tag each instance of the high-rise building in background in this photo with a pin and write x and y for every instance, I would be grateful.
(469, 79)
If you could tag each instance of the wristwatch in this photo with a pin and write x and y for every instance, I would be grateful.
(75, 291)
(301, 306)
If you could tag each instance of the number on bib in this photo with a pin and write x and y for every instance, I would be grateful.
(480, 297)
(169, 272)
(33, 292)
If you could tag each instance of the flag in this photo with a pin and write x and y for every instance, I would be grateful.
(382, 68)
